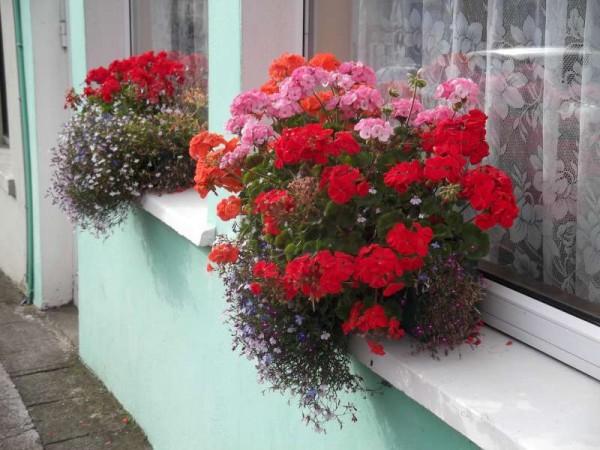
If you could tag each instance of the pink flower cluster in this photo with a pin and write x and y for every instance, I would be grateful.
(401, 108)
(458, 90)
(251, 102)
(363, 98)
(374, 129)
(431, 116)
(254, 132)
(303, 81)
(358, 72)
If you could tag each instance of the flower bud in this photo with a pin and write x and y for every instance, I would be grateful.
(393, 92)
(449, 193)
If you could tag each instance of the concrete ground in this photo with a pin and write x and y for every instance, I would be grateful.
(48, 399)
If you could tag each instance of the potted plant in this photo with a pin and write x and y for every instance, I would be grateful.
(353, 216)
(128, 135)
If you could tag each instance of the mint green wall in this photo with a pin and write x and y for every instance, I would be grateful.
(151, 328)
(76, 21)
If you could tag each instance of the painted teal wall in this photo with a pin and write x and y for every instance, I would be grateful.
(151, 327)
(76, 21)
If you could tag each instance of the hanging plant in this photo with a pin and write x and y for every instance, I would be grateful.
(353, 217)
(128, 135)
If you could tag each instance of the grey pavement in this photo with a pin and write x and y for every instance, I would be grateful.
(48, 398)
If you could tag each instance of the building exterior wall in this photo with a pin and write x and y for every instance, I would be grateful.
(13, 236)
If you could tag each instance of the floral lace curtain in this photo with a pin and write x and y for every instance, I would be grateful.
(538, 67)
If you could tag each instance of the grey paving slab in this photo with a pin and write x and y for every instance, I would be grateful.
(120, 441)
(75, 417)
(46, 387)
(69, 407)
(29, 440)
(16, 427)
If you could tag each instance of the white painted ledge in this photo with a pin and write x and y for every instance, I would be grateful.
(185, 212)
(7, 180)
(499, 396)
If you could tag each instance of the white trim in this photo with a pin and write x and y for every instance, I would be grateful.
(559, 334)
(500, 396)
(185, 212)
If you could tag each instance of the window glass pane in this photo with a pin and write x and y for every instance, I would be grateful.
(3, 106)
(537, 64)
(177, 26)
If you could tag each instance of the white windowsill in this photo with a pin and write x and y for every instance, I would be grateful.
(499, 396)
(7, 180)
(185, 212)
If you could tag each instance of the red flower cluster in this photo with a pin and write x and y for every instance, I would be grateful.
(343, 182)
(402, 175)
(408, 242)
(378, 267)
(222, 254)
(319, 275)
(266, 270)
(208, 149)
(229, 208)
(446, 166)
(273, 205)
(150, 75)
(464, 136)
(490, 190)
(312, 143)
(372, 320)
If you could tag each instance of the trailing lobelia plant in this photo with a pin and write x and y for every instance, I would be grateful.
(353, 216)
(128, 135)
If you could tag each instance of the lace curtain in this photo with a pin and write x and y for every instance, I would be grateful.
(538, 67)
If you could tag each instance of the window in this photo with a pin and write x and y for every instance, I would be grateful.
(3, 107)
(179, 25)
(537, 63)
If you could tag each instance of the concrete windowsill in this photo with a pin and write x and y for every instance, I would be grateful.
(185, 212)
(7, 180)
(499, 396)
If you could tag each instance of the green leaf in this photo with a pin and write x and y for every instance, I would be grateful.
(392, 306)
(290, 251)
(332, 209)
(248, 177)
(476, 243)
(430, 206)
(441, 230)
(344, 305)
(309, 247)
(282, 239)
(388, 220)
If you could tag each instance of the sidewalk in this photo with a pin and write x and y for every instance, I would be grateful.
(57, 402)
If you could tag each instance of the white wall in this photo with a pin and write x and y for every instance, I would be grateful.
(13, 244)
(52, 77)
